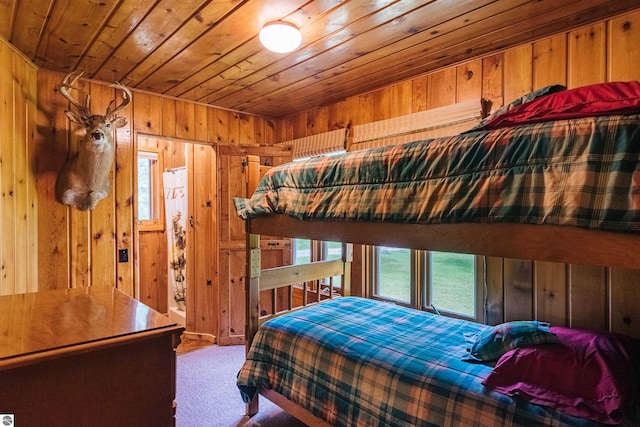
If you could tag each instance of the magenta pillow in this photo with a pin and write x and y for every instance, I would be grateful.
(589, 374)
(593, 100)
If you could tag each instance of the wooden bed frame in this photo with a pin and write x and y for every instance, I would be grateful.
(521, 241)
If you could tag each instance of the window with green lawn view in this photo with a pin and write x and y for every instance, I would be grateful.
(305, 252)
(447, 283)
(301, 251)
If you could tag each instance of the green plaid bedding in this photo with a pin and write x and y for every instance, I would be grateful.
(359, 362)
(580, 172)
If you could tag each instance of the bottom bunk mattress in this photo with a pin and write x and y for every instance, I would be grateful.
(359, 362)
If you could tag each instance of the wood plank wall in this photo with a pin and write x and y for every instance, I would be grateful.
(18, 198)
(576, 295)
(80, 248)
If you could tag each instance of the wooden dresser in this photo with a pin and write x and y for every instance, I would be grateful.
(86, 357)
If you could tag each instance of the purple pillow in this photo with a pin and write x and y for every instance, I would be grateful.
(589, 374)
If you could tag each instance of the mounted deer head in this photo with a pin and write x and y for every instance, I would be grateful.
(84, 179)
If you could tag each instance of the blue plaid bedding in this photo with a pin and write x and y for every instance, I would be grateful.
(581, 172)
(359, 362)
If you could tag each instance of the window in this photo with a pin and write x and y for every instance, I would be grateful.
(149, 189)
(305, 251)
(447, 283)
(452, 285)
(301, 251)
(393, 276)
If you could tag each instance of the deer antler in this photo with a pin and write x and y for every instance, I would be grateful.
(126, 99)
(66, 85)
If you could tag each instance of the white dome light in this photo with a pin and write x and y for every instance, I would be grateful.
(280, 37)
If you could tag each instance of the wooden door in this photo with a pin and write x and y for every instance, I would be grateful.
(202, 243)
(232, 257)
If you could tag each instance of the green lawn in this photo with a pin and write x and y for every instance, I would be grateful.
(395, 273)
(453, 282)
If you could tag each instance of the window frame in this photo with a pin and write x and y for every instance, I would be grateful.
(157, 223)
(420, 284)
(479, 290)
(414, 272)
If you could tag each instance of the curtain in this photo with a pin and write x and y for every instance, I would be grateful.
(317, 145)
(434, 123)
(176, 213)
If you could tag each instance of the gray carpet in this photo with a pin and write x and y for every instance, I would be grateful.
(207, 396)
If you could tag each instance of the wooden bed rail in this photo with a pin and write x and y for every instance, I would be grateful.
(260, 280)
(298, 277)
(278, 277)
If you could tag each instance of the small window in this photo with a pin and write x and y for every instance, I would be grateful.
(452, 283)
(150, 189)
(301, 251)
(331, 251)
(305, 251)
(393, 277)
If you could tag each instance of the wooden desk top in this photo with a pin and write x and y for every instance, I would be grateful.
(42, 322)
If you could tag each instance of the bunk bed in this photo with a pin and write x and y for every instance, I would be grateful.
(553, 176)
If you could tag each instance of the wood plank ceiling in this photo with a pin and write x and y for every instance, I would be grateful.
(208, 51)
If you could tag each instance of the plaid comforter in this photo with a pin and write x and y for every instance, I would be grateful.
(581, 172)
(360, 362)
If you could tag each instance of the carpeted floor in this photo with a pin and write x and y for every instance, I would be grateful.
(207, 396)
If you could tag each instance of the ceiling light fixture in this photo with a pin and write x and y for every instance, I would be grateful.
(280, 36)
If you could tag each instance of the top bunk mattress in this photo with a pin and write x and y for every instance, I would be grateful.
(580, 172)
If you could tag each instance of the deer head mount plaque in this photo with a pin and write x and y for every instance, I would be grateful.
(84, 179)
